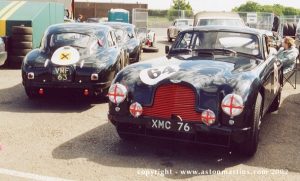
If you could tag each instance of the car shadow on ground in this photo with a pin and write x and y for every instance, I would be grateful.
(279, 148)
(14, 99)
(165, 42)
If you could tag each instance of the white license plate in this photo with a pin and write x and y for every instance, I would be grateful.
(171, 125)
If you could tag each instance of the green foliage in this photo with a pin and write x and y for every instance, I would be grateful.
(181, 5)
(277, 9)
(157, 13)
(176, 9)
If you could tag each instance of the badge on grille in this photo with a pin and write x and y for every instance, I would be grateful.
(65, 56)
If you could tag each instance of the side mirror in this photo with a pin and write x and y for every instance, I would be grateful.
(167, 49)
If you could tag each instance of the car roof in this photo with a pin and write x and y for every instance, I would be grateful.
(84, 28)
(217, 15)
(227, 28)
(184, 19)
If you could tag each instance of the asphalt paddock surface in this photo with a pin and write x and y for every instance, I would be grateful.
(70, 138)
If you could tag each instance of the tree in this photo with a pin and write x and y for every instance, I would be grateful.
(248, 7)
(181, 5)
(176, 10)
(277, 9)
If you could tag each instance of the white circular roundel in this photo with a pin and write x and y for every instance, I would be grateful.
(65, 56)
(152, 76)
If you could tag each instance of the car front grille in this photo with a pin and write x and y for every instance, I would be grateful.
(174, 100)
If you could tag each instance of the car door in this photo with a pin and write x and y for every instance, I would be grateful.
(270, 75)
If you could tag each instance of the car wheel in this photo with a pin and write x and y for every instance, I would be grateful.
(275, 104)
(31, 94)
(249, 147)
(126, 137)
(150, 49)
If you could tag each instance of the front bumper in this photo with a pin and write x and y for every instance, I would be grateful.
(216, 135)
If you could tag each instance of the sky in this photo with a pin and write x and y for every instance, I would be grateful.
(205, 5)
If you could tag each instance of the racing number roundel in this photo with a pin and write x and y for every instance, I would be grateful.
(65, 56)
(152, 76)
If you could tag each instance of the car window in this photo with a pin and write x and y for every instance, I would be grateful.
(121, 33)
(220, 22)
(110, 40)
(185, 42)
(75, 39)
(182, 23)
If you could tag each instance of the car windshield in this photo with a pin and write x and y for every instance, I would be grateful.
(238, 42)
(220, 22)
(73, 39)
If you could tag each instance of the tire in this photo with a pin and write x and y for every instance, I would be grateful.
(275, 104)
(21, 45)
(31, 94)
(126, 137)
(150, 49)
(19, 52)
(21, 30)
(26, 38)
(15, 61)
(249, 147)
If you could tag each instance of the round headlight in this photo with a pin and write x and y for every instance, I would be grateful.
(117, 93)
(136, 109)
(208, 117)
(232, 105)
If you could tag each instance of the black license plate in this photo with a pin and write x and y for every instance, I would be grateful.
(62, 74)
(168, 125)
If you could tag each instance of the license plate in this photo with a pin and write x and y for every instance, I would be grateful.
(171, 126)
(62, 74)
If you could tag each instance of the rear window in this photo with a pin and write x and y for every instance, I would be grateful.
(182, 23)
(74, 39)
(220, 22)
